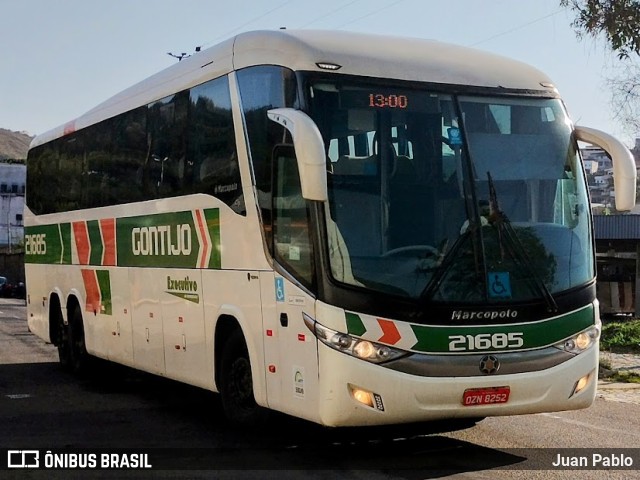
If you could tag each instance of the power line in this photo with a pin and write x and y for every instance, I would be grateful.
(328, 14)
(369, 14)
(321, 17)
(519, 27)
(255, 19)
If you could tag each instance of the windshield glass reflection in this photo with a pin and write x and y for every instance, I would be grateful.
(422, 204)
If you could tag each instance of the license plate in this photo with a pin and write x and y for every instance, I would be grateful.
(485, 396)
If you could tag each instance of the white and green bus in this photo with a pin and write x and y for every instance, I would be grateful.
(348, 228)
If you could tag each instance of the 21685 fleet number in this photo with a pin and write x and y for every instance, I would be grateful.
(485, 341)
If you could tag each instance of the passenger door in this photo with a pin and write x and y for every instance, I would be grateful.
(291, 348)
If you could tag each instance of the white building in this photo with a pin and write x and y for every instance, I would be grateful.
(12, 188)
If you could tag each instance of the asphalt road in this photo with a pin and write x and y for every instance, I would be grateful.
(182, 429)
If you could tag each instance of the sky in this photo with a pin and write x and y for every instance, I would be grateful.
(60, 58)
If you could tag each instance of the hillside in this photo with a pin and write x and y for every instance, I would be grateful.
(13, 145)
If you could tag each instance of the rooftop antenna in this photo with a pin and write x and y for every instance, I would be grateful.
(179, 56)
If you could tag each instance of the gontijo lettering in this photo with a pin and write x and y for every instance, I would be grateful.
(161, 240)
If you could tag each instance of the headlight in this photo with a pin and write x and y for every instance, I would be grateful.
(356, 347)
(581, 341)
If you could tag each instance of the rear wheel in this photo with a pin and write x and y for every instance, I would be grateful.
(78, 356)
(236, 383)
(63, 343)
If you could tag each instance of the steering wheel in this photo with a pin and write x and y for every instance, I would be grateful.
(428, 250)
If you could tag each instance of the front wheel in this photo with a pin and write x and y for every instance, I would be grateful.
(236, 384)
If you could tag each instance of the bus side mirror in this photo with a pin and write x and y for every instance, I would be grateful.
(624, 166)
(309, 149)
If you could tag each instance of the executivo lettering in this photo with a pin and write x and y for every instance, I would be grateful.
(184, 288)
(483, 314)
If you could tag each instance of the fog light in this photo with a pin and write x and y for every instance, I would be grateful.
(582, 384)
(362, 396)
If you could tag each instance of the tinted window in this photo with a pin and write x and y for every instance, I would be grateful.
(179, 145)
(291, 218)
(123, 172)
(212, 146)
(42, 178)
(263, 88)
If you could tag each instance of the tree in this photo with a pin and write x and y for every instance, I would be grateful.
(624, 83)
(618, 20)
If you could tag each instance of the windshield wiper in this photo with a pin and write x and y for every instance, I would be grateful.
(442, 269)
(509, 240)
(472, 233)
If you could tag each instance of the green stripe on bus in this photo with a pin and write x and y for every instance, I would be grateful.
(48, 244)
(166, 240)
(212, 218)
(355, 325)
(159, 240)
(65, 239)
(104, 284)
(95, 240)
(534, 335)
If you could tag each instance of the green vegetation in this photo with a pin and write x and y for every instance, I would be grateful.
(623, 377)
(621, 337)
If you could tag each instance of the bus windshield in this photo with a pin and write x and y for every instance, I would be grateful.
(452, 198)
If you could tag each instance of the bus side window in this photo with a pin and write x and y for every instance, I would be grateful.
(213, 166)
(292, 240)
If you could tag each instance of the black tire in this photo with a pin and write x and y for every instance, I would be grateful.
(236, 384)
(78, 356)
(63, 343)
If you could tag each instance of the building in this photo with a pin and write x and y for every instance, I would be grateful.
(617, 237)
(598, 168)
(12, 189)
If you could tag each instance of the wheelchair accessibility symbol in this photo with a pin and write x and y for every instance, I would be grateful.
(279, 289)
(499, 284)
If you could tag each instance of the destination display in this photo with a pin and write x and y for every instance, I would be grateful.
(389, 99)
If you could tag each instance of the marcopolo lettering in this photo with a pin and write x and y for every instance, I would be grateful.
(161, 240)
(483, 314)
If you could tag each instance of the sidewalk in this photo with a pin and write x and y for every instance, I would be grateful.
(626, 362)
(616, 391)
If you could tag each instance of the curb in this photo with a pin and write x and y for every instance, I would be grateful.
(18, 302)
(607, 385)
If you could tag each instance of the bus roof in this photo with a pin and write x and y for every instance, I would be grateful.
(356, 53)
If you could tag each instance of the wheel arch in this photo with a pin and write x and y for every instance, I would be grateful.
(55, 316)
(73, 301)
(228, 321)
